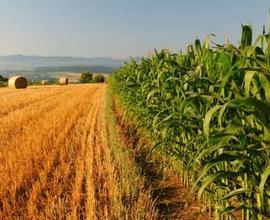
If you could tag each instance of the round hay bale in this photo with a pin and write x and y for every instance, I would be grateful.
(18, 82)
(44, 82)
(63, 80)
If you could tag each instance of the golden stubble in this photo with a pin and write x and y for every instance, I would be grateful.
(54, 161)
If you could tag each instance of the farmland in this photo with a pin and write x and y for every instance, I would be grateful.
(41, 148)
(172, 136)
(61, 156)
(206, 109)
(54, 156)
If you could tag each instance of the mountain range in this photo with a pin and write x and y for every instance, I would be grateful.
(19, 62)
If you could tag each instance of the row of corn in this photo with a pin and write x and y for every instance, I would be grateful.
(208, 111)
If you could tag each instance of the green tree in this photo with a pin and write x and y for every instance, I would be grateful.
(86, 77)
(3, 79)
(98, 78)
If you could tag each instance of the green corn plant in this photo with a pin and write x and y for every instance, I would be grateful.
(208, 110)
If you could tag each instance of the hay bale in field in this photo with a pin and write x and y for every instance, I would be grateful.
(17, 82)
(63, 80)
(44, 82)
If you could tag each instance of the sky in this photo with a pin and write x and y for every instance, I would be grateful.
(121, 28)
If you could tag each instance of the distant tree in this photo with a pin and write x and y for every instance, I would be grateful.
(3, 79)
(98, 78)
(86, 77)
(34, 83)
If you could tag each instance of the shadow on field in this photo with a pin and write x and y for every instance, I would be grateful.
(173, 200)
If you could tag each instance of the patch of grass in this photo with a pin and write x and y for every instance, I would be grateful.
(136, 199)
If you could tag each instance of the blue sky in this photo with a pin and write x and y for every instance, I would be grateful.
(120, 28)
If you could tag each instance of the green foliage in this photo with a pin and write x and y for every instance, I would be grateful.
(208, 109)
(34, 83)
(3, 81)
(98, 78)
(246, 39)
(86, 77)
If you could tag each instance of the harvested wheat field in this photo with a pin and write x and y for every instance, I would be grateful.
(54, 155)
(48, 135)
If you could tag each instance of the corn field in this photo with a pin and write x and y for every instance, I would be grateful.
(208, 110)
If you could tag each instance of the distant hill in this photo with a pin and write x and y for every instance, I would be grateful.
(39, 67)
(52, 73)
(19, 62)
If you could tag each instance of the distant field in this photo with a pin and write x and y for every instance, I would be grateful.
(52, 73)
(73, 77)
